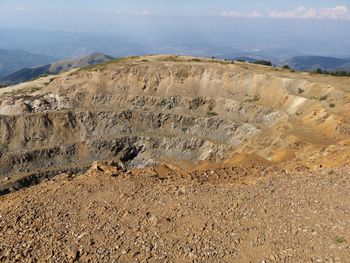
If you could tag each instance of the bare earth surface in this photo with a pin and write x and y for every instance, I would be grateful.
(237, 213)
(175, 159)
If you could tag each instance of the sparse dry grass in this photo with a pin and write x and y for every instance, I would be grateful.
(23, 91)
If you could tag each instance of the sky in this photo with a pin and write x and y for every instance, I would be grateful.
(254, 24)
(75, 14)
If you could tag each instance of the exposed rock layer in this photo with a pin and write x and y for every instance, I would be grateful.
(156, 109)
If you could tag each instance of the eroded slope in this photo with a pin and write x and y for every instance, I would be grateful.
(156, 109)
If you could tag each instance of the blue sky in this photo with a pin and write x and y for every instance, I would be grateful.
(11, 9)
(126, 15)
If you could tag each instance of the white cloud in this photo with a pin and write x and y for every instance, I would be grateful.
(254, 14)
(300, 12)
(231, 14)
(338, 12)
(13, 9)
(144, 13)
(20, 8)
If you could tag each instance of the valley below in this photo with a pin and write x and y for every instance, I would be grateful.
(175, 159)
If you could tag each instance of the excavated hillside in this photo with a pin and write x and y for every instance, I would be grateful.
(175, 159)
(144, 111)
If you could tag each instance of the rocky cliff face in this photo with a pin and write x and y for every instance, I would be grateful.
(149, 110)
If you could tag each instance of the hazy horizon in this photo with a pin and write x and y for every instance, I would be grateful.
(273, 28)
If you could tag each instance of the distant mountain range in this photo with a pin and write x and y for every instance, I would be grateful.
(26, 74)
(250, 40)
(307, 63)
(12, 60)
(315, 62)
(80, 62)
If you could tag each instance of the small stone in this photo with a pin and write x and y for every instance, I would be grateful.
(73, 255)
(96, 166)
(82, 235)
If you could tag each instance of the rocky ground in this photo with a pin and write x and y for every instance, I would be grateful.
(175, 159)
(233, 213)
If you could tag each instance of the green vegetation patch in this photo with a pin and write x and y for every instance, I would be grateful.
(211, 113)
(340, 240)
(3, 147)
(324, 97)
(252, 98)
(263, 62)
(332, 73)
